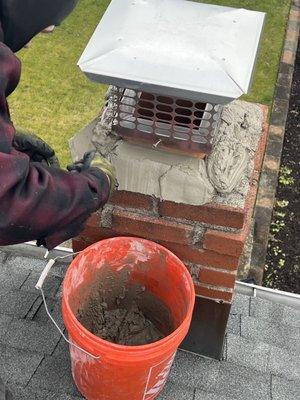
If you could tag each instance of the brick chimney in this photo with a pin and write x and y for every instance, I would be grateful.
(173, 67)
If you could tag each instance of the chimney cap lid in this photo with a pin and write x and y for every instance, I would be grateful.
(175, 47)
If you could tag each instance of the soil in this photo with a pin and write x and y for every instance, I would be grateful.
(283, 259)
(124, 313)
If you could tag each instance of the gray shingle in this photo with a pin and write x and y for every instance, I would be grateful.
(26, 263)
(50, 287)
(240, 305)
(59, 292)
(252, 354)
(291, 316)
(285, 363)
(277, 335)
(62, 350)
(194, 371)
(34, 308)
(18, 365)
(201, 395)
(283, 389)
(4, 323)
(274, 313)
(54, 309)
(233, 325)
(265, 309)
(54, 374)
(175, 392)
(236, 381)
(224, 358)
(21, 393)
(60, 268)
(16, 303)
(11, 278)
(32, 336)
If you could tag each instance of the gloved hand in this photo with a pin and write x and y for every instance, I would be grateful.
(36, 148)
(84, 164)
(92, 159)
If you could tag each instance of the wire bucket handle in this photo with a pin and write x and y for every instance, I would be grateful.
(39, 286)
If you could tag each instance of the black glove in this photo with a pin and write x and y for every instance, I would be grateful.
(36, 148)
(92, 159)
(83, 164)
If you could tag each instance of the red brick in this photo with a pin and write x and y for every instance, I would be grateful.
(213, 293)
(95, 219)
(215, 214)
(149, 227)
(92, 235)
(79, 244)
(127, 199)
(224, 243)
(201, 256)
(216, 278)
(231, 243)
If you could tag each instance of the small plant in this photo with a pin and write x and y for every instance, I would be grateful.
(282, 203)
(277, 250)
(280, 214)
(285, 177)
(277, 225)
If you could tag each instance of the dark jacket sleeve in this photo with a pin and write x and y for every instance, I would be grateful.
(39, 202)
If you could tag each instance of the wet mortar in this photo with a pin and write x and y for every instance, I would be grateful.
(122, 312)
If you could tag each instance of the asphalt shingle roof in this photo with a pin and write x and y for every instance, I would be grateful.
(261, 352)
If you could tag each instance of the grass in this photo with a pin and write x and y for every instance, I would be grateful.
(55, 100)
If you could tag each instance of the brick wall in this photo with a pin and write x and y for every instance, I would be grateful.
(209, 239)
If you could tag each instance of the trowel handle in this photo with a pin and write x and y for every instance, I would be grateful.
(44, 274)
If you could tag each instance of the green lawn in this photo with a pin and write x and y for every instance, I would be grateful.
(54, 99)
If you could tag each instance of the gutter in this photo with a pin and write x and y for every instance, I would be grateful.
(276, 296)
(30, 249)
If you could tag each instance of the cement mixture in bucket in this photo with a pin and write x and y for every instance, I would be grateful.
(124, 313)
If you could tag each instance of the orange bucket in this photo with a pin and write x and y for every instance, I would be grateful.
(113, 371)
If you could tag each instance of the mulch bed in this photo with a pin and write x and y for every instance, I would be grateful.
(282, 269)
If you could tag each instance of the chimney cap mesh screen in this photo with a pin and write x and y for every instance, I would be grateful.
(173, 123)
(176, 47)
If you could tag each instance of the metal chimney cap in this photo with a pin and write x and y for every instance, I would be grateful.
(175, 47)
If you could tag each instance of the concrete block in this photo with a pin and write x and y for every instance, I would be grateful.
(167, 176)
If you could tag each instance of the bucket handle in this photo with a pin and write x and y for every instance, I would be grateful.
(39, 286)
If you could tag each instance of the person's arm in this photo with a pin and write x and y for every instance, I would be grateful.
(38, 202)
